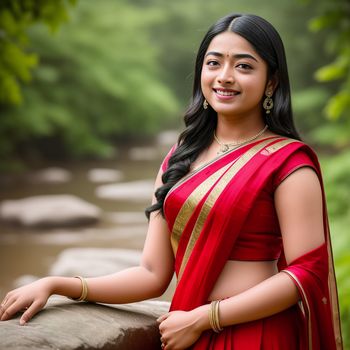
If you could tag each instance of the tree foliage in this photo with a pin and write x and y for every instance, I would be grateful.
(332, 23)
(335, 20)
(16, 60)
(98, 81)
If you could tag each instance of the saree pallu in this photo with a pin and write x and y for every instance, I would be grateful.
(205, 212)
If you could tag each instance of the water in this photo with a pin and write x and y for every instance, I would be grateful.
(32, 251)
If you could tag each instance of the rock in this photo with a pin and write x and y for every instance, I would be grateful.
(64, 324)
(143, 153)
(49, 211)
(138, 191)
(91, 262)
(51, 175)
(104, 175)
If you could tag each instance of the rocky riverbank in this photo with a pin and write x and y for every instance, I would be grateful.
(69, 325)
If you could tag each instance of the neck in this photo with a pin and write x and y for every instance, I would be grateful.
(229, 130)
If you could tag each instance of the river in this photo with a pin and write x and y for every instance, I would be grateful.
(31, 252)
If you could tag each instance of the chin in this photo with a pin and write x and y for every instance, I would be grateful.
(227, 111)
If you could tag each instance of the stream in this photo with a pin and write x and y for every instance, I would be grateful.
(26, 252)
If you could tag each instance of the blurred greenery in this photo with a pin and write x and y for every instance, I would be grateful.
(16, 61)
(123, 69)
(332, 22)
(118, 70)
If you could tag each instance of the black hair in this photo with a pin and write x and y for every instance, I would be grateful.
(201, 123)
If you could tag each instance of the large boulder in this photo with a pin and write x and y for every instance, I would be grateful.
(68, 325)
(49, 211)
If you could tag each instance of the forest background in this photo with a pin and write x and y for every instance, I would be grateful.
(80, 78)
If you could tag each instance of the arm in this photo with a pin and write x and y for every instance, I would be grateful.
(148, 280)
(298, 201)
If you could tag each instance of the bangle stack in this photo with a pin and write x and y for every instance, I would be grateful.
(84, 289)
(214, 316)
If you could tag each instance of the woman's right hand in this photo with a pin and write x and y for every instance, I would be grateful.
(31, 298)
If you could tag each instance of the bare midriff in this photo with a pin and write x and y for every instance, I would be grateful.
(238, 276)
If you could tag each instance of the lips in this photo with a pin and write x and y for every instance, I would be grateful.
(226, 92)
(225, 95)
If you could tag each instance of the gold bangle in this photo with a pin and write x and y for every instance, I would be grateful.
(217, 317)
(84, 289)
(214, 316)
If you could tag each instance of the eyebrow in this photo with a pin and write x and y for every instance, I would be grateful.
(237, 55)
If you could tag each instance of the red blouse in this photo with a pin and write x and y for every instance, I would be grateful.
(260, 238)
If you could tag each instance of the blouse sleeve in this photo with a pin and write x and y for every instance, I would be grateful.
(296, 161)
(165, 162)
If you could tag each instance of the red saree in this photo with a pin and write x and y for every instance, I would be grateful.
(205, 212)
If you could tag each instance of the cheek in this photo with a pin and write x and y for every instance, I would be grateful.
(205, 81)
(207, 78)
(255, 87)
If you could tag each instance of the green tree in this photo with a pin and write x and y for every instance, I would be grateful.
(332, 23)
(98, 82)
(16, 61)
(122, 68)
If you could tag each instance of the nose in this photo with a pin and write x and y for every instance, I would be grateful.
(225, 75)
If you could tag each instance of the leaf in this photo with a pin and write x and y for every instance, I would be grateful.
(338, 105)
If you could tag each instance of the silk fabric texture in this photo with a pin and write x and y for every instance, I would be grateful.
(214, 202)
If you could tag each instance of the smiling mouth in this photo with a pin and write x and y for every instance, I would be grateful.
(226, 92)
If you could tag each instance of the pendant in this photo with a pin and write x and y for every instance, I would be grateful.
(224, 148)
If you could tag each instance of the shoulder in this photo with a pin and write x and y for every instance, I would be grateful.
(295, 156)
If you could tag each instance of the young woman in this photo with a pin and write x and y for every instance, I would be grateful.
(238, 213)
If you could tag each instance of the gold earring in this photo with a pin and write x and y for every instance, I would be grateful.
(268, 102)
(205, 104)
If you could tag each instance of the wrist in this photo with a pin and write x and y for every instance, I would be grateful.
(71, 287)
(49, 284)
(66, 286)
(202, 317)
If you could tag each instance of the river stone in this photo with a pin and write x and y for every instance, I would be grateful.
(91, 262)
(132, 191)
(49, 211)
(104, 175)
(64, 324)
(51, 175)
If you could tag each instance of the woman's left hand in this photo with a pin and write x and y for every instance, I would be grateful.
(180, 329)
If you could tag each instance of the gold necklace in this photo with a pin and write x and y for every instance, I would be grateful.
(225, 147)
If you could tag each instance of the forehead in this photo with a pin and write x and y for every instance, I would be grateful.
(229, 42)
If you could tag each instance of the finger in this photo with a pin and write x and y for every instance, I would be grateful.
(8, 310)
(3, 306)
(163, 317)
(30, 312)
(163, 340)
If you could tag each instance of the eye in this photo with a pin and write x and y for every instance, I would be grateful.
(244, 66)
(212, 63)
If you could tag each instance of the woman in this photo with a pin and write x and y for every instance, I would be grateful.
(242, 201)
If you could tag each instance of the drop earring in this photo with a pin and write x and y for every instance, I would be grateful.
(268, 102)
(205, 104)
